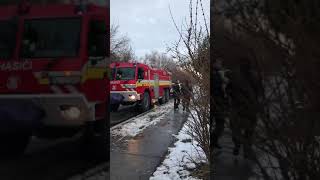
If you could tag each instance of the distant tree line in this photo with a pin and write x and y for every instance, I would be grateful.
(121, 49)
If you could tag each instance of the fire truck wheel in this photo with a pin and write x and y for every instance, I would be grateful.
(145, 104)
(114, 107)
(162, 100)
(13, 145)
(96, 140)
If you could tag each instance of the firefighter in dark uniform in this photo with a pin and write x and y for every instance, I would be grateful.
(176, 94)
(119, 75)
(221, 101)
(186, 91)
(245, 91)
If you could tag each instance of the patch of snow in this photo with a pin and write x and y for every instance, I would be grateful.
(137, 124)
(181, 158)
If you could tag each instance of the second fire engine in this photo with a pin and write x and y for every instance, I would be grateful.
(137, 83)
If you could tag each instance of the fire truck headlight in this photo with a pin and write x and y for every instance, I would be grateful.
(70, 112)
(132, 97)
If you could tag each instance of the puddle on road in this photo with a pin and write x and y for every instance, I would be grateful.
(133, 146)
(163, 123)
(139, 136)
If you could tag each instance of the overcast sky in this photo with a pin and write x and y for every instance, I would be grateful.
(148, 23)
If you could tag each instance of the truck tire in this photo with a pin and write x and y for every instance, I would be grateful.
(96, 140)
(14, 144)
(163, 99)
(96, 137)
(114, 107)
(145, 103)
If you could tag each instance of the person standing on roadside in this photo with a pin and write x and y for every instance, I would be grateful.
(186, 91)
(244, 92)
(220, 101)
(176, 94)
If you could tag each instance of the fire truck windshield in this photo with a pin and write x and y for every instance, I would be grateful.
(50, 38)
(125, 73)
(7, 39)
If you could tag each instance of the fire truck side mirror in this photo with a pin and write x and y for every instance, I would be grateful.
(98, 39)
(102, 39)
(140, 74)
(100, 46)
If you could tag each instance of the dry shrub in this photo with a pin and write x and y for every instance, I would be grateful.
(282, 43)
(193, 56)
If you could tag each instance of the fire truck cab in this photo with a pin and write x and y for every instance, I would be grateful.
(137, 83)
(53, 73)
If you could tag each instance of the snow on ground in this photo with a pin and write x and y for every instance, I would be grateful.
(178, 163)
(137, 124)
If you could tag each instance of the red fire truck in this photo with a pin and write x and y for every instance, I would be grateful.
(137, 83)
(53, 73)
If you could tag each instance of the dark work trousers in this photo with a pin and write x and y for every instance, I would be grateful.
(242, 126)
(176, 101)
(186, 103)
(219, 127)
(219, 114)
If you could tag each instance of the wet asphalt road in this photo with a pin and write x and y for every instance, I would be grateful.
(229, 167)
(138, 157)
(124, 113)
(64, 158)
(48, 160)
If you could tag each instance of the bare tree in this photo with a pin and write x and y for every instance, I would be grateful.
(193, 56)
(121, 49)
(153, 59)
(158, 60)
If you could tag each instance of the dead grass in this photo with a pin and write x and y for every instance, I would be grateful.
(202, 171)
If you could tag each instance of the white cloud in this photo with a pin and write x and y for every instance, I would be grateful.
(148, 23)
(152, 20)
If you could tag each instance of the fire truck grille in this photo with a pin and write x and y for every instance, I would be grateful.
(68, 89)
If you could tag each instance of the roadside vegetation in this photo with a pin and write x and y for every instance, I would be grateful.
(280, 37)
(192, 54)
